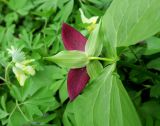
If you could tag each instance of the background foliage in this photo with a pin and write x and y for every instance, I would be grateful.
(35, 27)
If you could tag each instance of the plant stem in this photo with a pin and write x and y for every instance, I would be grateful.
(3, 79)
(100, 58)
(17, 105)
(139, 68)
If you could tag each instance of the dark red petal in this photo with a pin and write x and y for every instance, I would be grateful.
(76, 82)
(72, 39)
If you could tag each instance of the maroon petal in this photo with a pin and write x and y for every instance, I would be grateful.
(72, 39)
(76, 82)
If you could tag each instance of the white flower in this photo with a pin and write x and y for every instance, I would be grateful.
(17, 54)
(21, 68)
(27, 69)
(20, 75)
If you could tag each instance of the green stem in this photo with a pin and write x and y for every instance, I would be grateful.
(100, 58)
(3, 79)
(21, 111)
(139, 68)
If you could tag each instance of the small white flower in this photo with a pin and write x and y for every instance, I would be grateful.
(21, 69)
(17, 54)
(27, 69)
(20, 75)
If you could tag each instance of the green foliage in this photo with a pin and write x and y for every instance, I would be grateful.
(108, 98)
(126, 31)
(128, 22)
(153, 46)
(94, 44)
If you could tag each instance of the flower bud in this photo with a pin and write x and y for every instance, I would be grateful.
(70, 59)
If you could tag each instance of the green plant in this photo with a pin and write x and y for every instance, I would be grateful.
(111, 75)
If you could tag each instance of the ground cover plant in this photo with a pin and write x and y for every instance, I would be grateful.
(79, 63)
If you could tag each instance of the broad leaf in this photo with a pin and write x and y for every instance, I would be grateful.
(94, 68)
(127, 22)
(110, 104)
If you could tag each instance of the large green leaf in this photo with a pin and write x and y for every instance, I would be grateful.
(127, 22)
(104, 103)
(94, 68)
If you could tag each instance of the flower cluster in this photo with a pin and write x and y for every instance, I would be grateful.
(22, 68)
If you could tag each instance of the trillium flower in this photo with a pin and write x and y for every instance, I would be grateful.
(78, 55)
(77, 78)
(21, 68)
(90, 21)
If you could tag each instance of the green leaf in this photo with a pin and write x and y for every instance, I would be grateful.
(31, 110)
(63, 93)
(70, 59)
(45, 78)
(157, 123)
(10, 18)
(45, 118)
(138, 76)
(16, 119)
(65, 11)
(94, 44)
(151, 108)
(155, 91)
(45, 8)
(22, 6)
(3, 114)
(110, 104)
(93, 10)
(94, 68)
(43, 97)
(154, 64)
(127, 22)
(153, 46)
(3, 102)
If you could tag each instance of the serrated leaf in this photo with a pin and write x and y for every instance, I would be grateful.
(127, 22)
